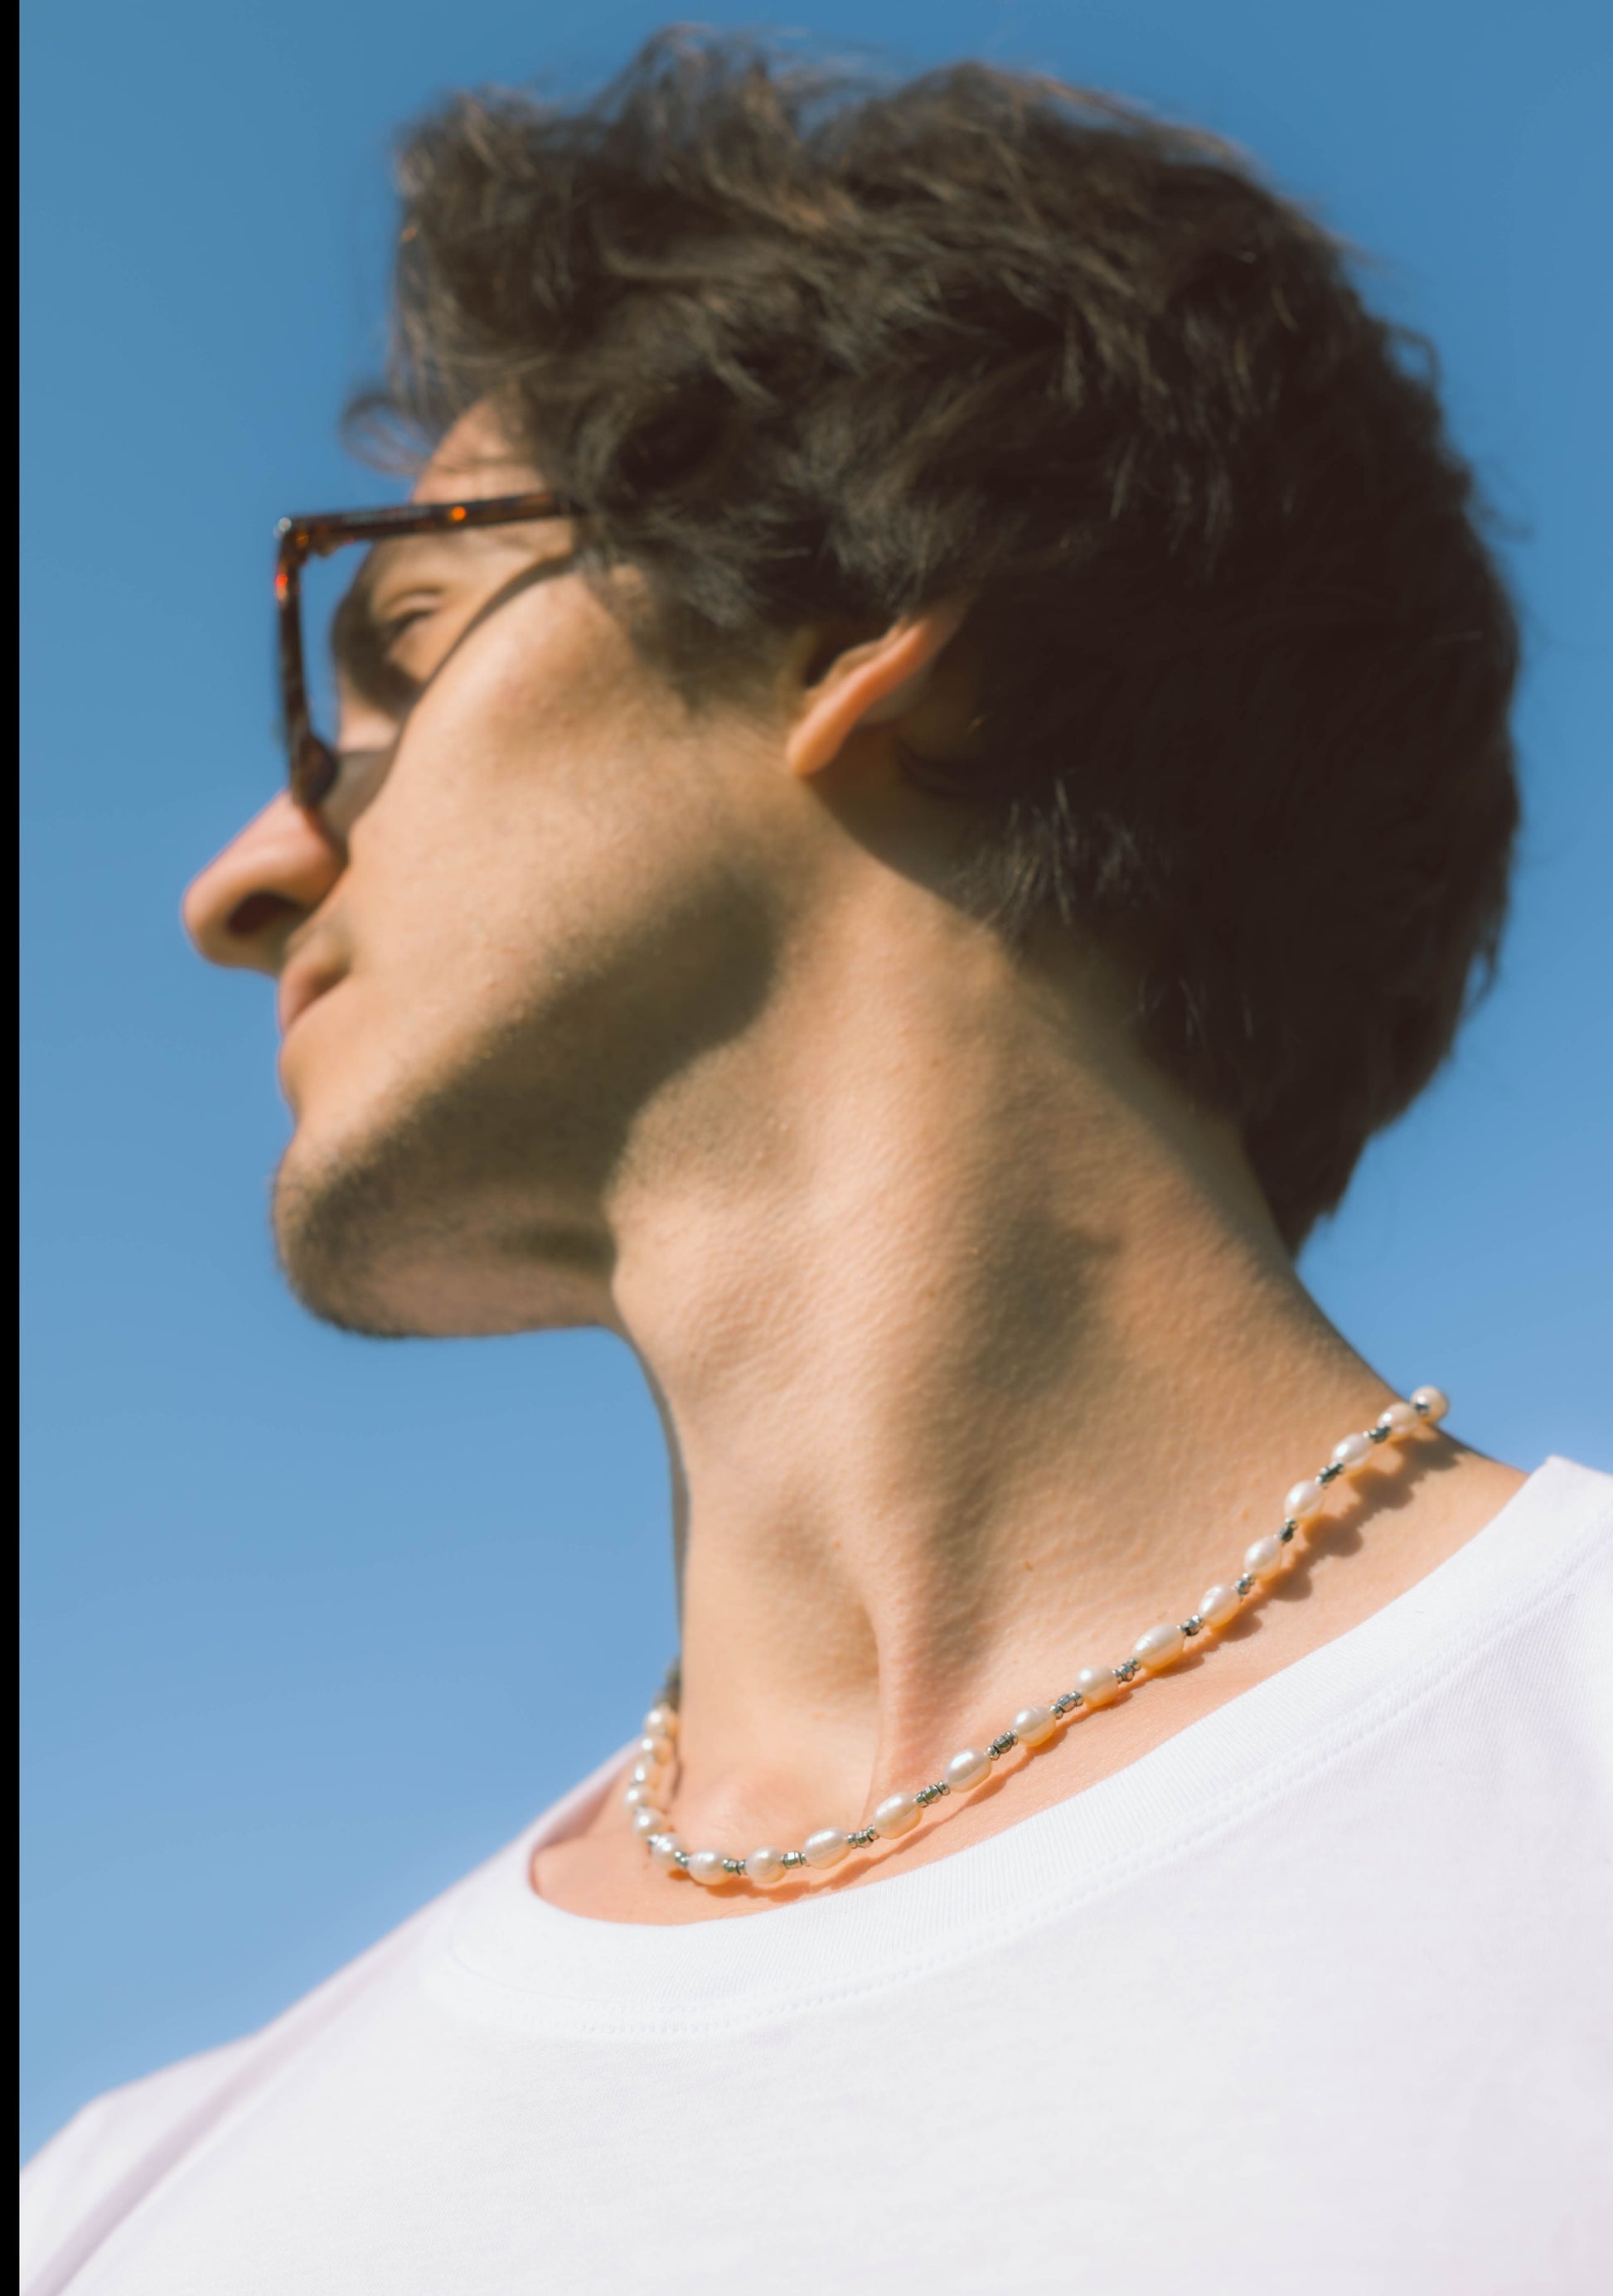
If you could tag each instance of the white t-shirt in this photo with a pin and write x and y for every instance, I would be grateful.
(1311, 1999)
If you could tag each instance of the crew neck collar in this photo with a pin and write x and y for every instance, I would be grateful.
(501, 1954)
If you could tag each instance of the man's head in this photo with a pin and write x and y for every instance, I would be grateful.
(973, 476)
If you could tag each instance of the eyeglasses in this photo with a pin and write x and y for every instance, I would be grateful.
(386, 653)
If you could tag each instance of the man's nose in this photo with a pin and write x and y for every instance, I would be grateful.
(244, 907)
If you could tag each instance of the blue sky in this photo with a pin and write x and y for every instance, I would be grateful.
(313, 1624)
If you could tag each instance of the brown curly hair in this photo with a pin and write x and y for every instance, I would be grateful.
(815, 349)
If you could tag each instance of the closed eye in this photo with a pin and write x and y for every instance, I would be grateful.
(393, 628)
(364, 653)
(367, 638)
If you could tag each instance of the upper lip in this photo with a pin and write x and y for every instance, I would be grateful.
(304, 981)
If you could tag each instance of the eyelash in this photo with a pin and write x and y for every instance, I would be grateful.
(395, 626)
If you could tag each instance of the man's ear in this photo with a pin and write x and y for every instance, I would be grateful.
(869, 684)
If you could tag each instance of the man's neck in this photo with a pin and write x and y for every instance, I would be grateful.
(977, 1352)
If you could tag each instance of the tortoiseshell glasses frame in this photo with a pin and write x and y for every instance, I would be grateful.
(312, 765)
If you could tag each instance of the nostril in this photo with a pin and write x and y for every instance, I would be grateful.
(257, 912)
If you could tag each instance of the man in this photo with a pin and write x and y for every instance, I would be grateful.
(929, 764)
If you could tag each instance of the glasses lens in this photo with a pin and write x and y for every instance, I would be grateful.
(379, 624)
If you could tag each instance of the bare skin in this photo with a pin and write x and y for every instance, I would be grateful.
(975, 1345)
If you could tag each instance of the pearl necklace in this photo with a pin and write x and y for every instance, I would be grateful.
(1160, 1646)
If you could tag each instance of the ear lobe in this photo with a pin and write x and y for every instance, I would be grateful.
(869, 684)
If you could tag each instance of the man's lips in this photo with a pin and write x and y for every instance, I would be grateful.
(302, 983)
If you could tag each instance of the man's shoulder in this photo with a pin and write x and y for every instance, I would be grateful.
(120, 2146)
(71, 2178)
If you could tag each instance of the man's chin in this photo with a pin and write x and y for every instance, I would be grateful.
(338, 1246)
(380, 1238)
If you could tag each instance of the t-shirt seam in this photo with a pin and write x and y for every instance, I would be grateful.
(1234, 1805)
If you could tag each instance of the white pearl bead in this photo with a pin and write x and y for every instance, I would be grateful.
(647, 1820)
(1161, 1646)
(825, 1848)
(1354, 1453)
(1034, 1725)
(1266, 1559)
(644, 1773)
(664, 1849)
(1305, 1500)
(1217, 1604)
(895, 1814)
(654, 1748)
(1399, 1420)
(966, 1769)
(706, 1865)
(637, 1795)
(1097, 1685)
(1430, 1404)
(766, 1866)
(661, 1722)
